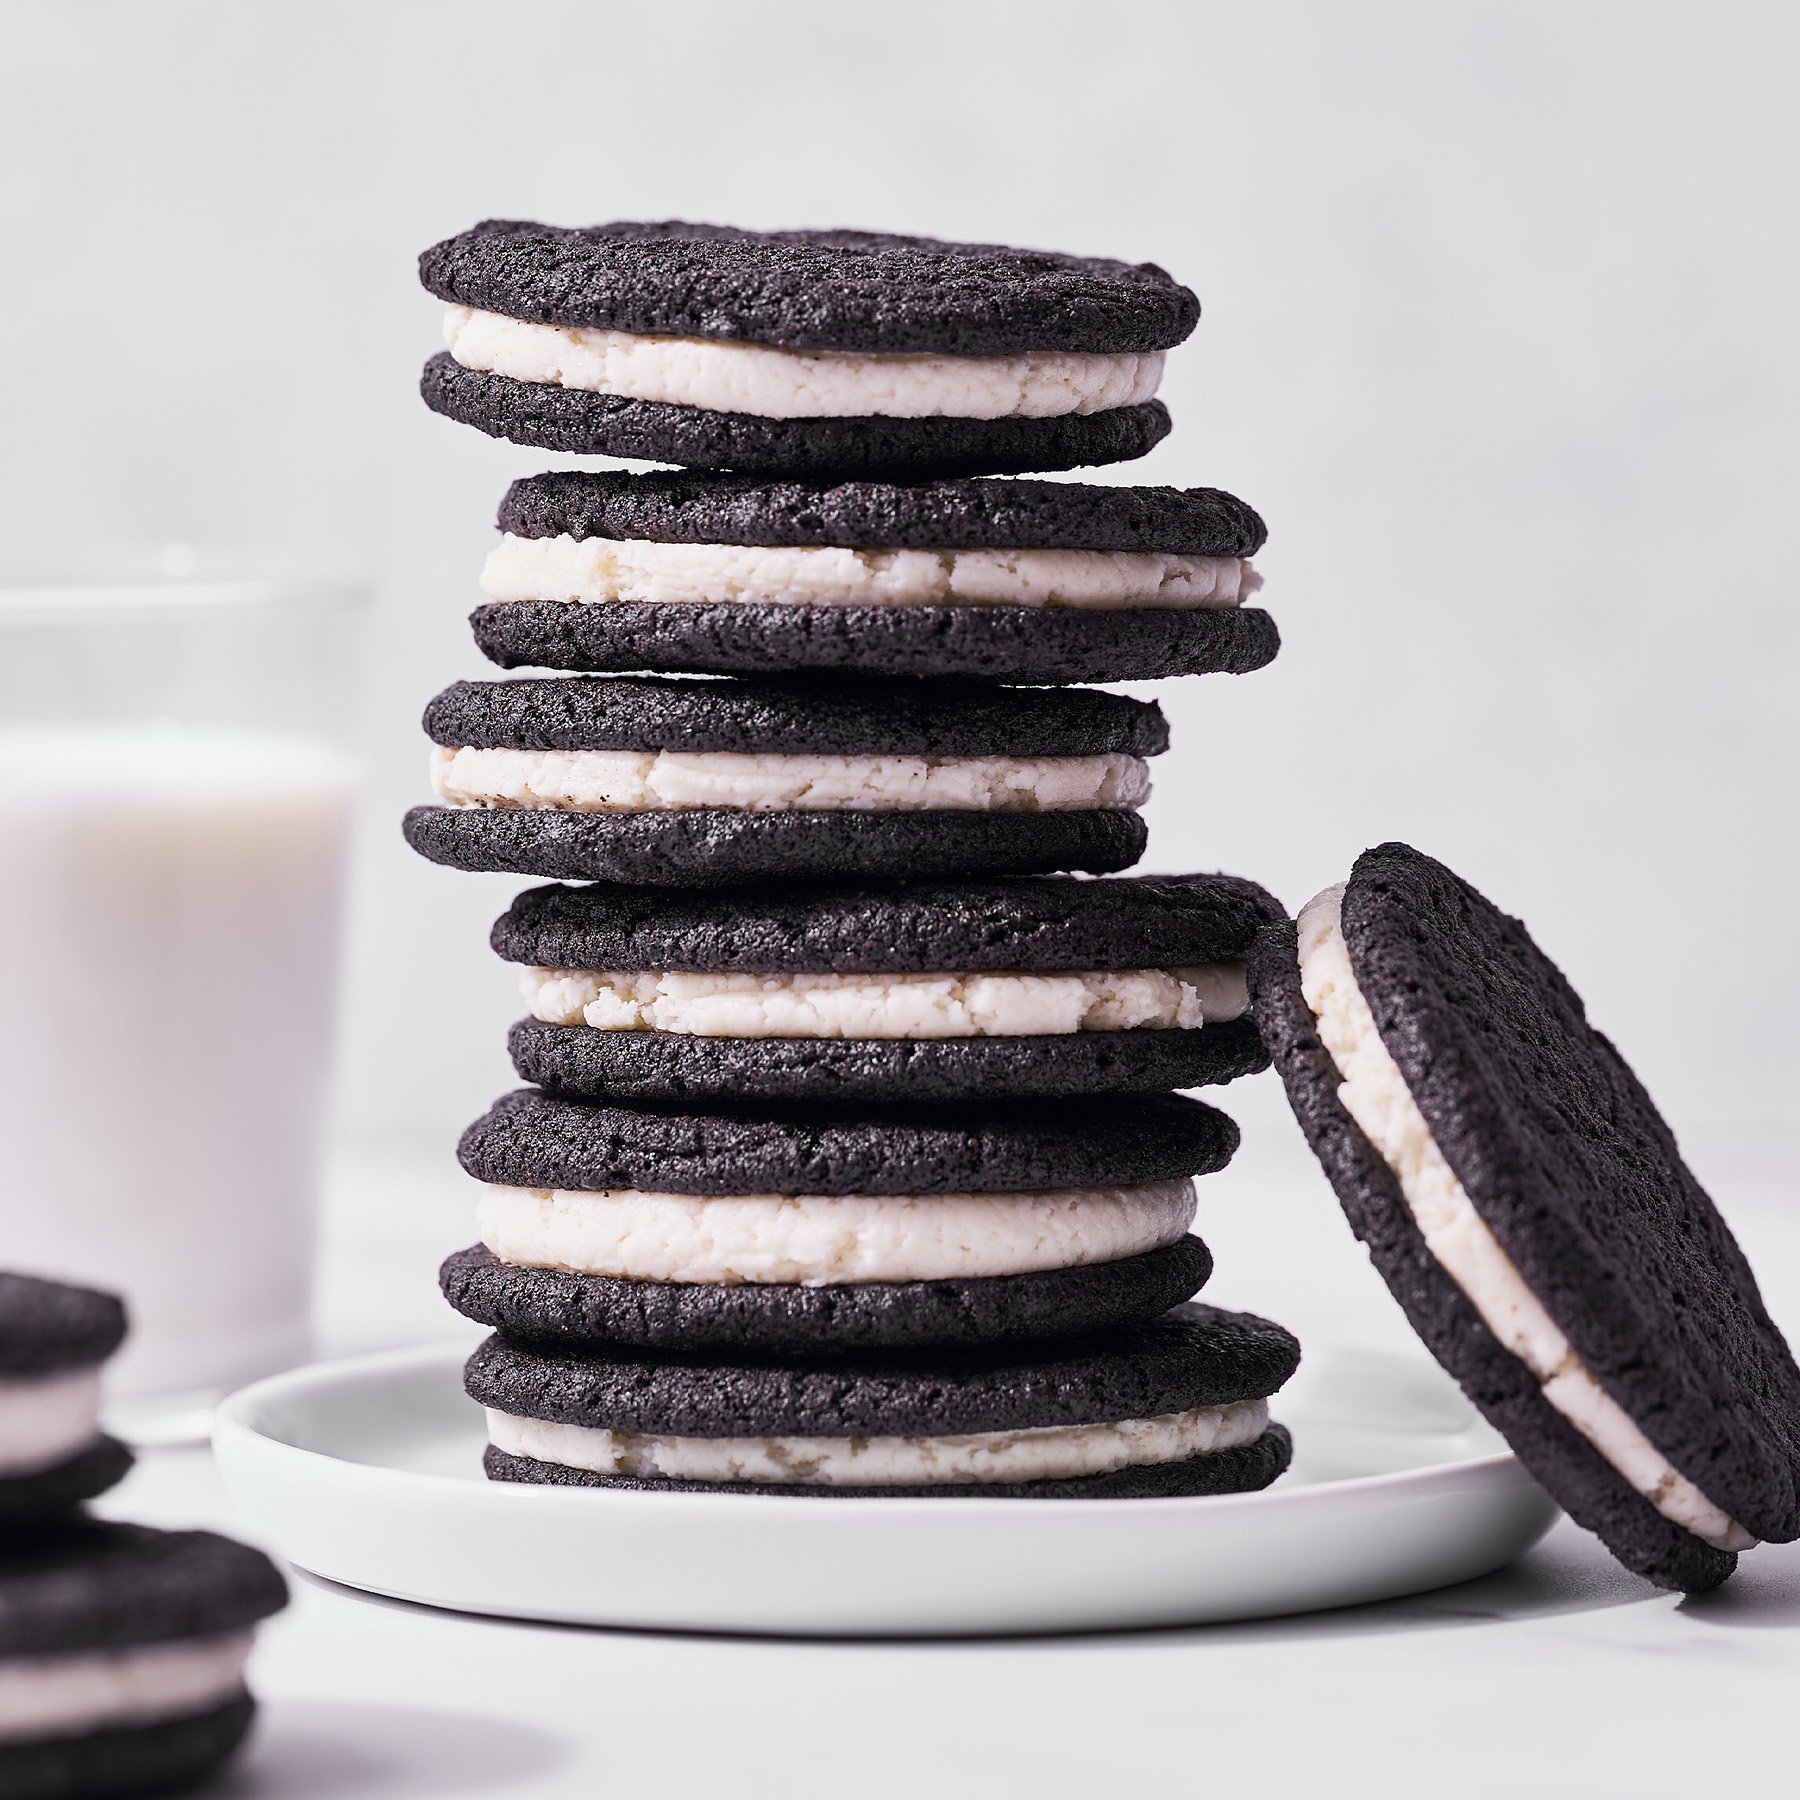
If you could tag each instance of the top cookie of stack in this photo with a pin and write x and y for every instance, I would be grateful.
(845, 352)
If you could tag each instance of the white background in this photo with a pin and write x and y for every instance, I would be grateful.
(1499, 333)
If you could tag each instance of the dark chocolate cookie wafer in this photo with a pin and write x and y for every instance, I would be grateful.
(717, 848)
(669, 506)
(122, 1594)
(1535, 1138)
(1195, 927)
(530, 1140)
(866, 291)
(53, 1340)
(846, 779)
(585, 424)
(666, 1068)
(1162, 1371)
(1024, 644)
(790, 1320)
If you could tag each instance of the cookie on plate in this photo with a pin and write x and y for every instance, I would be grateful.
(673, 783)
(1017, 581)
(1037, 986)
(122, 1656)
(805, 1232)
(1173, 1405)
(54, 1341)
(849, 351)
(1526, 1203)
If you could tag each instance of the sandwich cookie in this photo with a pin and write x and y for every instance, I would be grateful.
(54, 1340)
(1174, 1405)
(1527, 1205)
(788, 1232)
(1037, 986)
(1018, 581)
(695, 783)
(856, 352)
(122, 1655)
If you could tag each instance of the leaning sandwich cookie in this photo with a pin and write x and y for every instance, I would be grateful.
(54, 1342)
(669, 782)
(122, 1653)
(1037, 986)
(1176, 1405)
(1020, 581)
(1529, 1208)
(854, 352)
(821, 1231)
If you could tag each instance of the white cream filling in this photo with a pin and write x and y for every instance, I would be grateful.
(46, 1419)
(594, 571)
(669, 780)
(1043, 1453)
(824, 1240)
(721, 375)
(60, 1696)
(1375, 1095)
(888, 1006)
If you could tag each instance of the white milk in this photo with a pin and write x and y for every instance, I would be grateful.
(169, 910)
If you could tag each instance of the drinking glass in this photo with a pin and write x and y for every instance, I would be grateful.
(175, 801)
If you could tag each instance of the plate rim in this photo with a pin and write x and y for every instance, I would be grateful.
(233, 1430)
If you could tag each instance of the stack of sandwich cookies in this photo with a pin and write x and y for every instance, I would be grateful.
(669, 782)
(1039, 986)
(851, 1149)
(54, 1342)
(122, 1653)
(841, 351)
(811, 1234)
(1177, 1405)
(1016, 581)
(1528, 1206)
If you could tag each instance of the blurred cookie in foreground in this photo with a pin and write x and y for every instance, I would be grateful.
(54, 1341)
(1035, 987)
(122, 1653)
(1526, 1203)
(851, 351)
(1020, 581)
(792, 1232)
(706, 782)
(1175, 1405)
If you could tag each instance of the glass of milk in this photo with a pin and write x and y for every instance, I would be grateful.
(175, 801)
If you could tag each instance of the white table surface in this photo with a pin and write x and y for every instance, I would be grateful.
(1560, 1675)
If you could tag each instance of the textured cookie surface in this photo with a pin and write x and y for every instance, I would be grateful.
(810, 290)
(49, 1325)
(678, 507)
(587, 424)
(1024, 644)
(93, 1586)
(795, 716)
(1568, 1161)
(1241, 1470)
(527, 1139)
(1192, 1356)
(717, 847)
(1139, 922)
(768, 1320)
(666, 1068)
(45, 1492)
(168, 1756)
(1504, 1389)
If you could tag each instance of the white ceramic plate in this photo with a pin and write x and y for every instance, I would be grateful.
(368, 1472)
